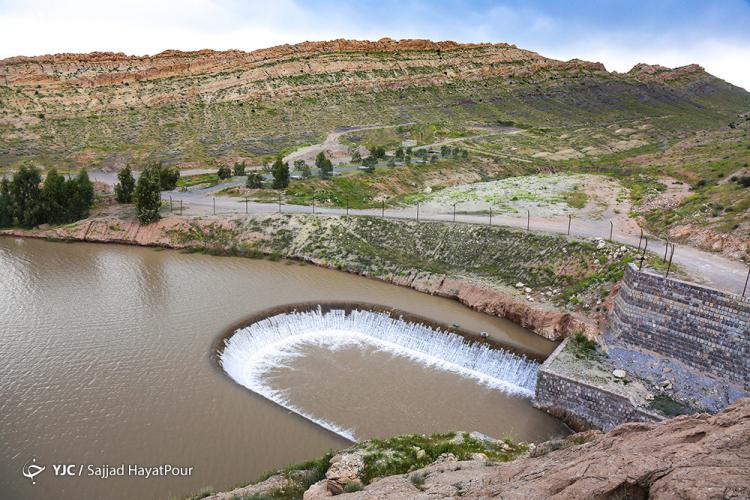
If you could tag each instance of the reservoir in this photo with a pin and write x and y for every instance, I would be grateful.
(107, 357)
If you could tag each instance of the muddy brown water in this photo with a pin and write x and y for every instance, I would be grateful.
(106, 359)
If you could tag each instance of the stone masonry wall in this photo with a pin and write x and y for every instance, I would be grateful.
(582, 404)
(707, 330)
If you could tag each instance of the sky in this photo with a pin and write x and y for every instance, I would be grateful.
(618, 33)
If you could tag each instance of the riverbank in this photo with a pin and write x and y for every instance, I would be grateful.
(552, 285)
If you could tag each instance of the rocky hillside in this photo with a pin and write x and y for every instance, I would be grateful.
(698, 456)
(184, 107)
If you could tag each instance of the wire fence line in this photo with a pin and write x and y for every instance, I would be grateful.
(604, 229)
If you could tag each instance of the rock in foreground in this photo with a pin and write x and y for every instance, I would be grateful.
(698, 456)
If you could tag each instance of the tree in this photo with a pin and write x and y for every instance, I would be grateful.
(326, 169)
(6, 206)
(370, 162)
(306, 171)
(445, 151)
(224, 172)
(299, 164)
(239, 168)
(83, 197)
(55, 198)
(280, 172)
(147, 195)
(168, 177)
(408, 150)
(254, 180)
(407, 160)
(378, 152)
(400, 153)
(124, 188)
(320, 159)
(26, 195)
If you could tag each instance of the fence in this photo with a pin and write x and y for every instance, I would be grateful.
(568, 225)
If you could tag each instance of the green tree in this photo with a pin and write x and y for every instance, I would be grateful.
(254, 180)
(26, 197)
(280, 172)
(320, 159)
(239, 168)
(168, 177)
(55, 196)
(224, 172)
(124, 188)
(147, 195)
(83, 198)
(6, 206)
(407, 160)
(326, 169)
(400, 153)
(370, 162)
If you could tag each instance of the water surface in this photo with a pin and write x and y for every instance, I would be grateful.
(105, 358)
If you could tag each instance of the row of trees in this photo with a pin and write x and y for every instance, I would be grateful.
(27, 202)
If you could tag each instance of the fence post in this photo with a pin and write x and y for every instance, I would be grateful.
(643, 255)
(347, 207)
(279, 202)
(180, 207)
(528, 220)
(382, 213)
(417, 211)
(214, 205)
(454, 211)
(611, 230)
(669, 266)
(569, 219)
(246, 202)
(490, 216)
(748, 278)
(313, 205)
(666, 247)
(640, 240)
(170, 204)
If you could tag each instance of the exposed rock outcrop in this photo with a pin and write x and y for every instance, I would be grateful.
(696, 457)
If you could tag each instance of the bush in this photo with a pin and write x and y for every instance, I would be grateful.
(280, 172)
(168, 177)
(224, 172)
(147, 195)
(124, 189)
(254, 180)
(239, 168)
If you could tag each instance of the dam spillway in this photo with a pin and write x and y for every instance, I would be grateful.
(254, 351)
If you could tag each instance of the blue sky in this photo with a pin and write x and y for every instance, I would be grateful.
(616, 33)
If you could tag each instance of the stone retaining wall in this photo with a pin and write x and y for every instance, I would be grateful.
(706, 329)
(582, 404)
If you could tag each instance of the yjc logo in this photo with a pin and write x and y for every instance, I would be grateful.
(31, 470)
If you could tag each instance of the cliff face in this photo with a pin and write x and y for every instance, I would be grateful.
(81, 109)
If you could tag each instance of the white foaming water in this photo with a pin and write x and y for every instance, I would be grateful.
(252, 352)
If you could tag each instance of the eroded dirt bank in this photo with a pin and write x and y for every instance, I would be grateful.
(548, 284)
